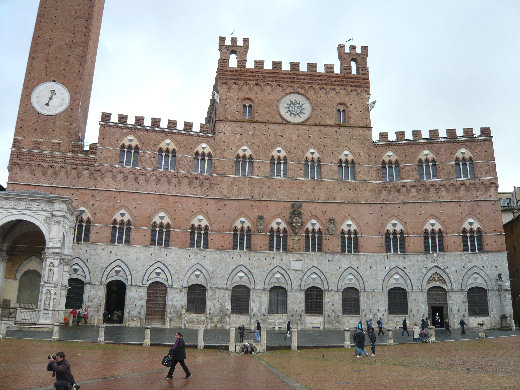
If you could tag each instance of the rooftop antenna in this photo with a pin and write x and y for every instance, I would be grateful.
(371, 105)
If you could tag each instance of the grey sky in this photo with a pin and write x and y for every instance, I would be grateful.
(441, 64)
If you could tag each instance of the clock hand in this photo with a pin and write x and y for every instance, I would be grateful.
(53, 92)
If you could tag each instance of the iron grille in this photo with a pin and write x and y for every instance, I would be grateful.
(350, 301)
(240, 299)
(478, 302)
(75, 291)
(314, 300)
(196, 299)
(397, 301)
(277, 300)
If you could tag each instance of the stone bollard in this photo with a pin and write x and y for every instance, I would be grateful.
(481, 333)
(346, 344)
(200, 338)
(232, 340)
(55, 332)
(101, 335)
(294, 339)
(432, 334)
(3, 329)
(263, 340)
(146, 341)
(389, 337)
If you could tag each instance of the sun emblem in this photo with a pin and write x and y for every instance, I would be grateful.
(295, 108)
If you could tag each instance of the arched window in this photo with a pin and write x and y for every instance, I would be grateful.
(196, 299)
(354, 65)
(312, 168)
(82, 229)
(314, 300)
(433, 237)
(427, 166)
(247, 111)
(346, 169)
(244, 165)
(394, 241)
(240, 299)
(464, 168)
(242, 238)
(472, 240)
(313, 240)
(478, 302)
(202, 162)
(199, 236)
(349, 241)
(128, 156)
(350, 301)
(277, 300)
(390, 171)
(278, 239)
(160, 234)
(278, 166)
(397, 301)
(166, 159)
(121, 231)
(341, 116)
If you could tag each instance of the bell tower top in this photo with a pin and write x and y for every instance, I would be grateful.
(60, 69)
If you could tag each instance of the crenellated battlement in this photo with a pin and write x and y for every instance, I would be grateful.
(433, 135)
(155, 123)
(351, 62)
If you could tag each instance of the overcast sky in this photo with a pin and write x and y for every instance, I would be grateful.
(445, 64)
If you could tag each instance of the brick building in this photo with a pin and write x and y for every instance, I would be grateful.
(280, 207)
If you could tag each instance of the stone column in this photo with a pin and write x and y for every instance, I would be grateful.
(232, 340)
(389, 337)
(50, 299)
(55, 332)
(3, 264)
(263, 340)
(146, 341)
(294, 339)
(101, 336)
(346, 344)
(200, 338)
(432, 333)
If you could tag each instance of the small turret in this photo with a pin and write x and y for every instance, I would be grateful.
(227, 50)
(352, 59)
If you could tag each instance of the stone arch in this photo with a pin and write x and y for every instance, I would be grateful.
(351, 278)
(191, 276)
(391, 280)
(111, 273)
(426, 283)
(151, 275)
(320, 280)
(287, 282)
(83, 271)
(234, 277)
(475, 277)
(30, 263)
(26, 218)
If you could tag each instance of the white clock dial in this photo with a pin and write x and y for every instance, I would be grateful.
(295, 108)
(50, 98)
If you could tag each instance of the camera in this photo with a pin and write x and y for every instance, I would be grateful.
(53, 357)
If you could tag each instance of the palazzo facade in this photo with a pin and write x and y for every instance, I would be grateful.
(281, 207)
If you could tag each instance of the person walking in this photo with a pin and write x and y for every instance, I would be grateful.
(79, 316)
(258, 330)
(416, 333)
(288, 335)
(359, 342)
(178, 354)
(405, 328)
(241, 331)
(61, 369)
(462, 324)
(74, 314)
(423, 324)
(372, 338)
(85, 315)
(380, 327)
(447, 326)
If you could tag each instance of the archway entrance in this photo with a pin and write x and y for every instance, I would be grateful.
(115, 302)
(155, 303)
(29, 289)
(437, 306)
(75, 291)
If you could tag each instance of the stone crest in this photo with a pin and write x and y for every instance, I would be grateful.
(436, 278)
(296, 217)
(331, 226)
(260, 223)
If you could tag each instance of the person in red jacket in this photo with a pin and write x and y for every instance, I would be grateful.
(74, 314)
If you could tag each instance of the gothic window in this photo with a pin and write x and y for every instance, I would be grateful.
(394, 241)
(397, 301)
(314, 300)
(247, 111)
(350, 301)
(278, 239)
(196, 299)
(340, 115)
(349, 241)
(346, 168)
(166, 159)
(277, 300)
(160, 234)
(464, 165)
(312, 168)
(427, 166)
(202, 162)
(244, 163)
(242, 238)
(478, 302)
(313, 239)
(278, 166)
(433, 237)
(128, 156)
(75, 290)
(240, 299)
(82, 229)
(472, 240)
(199, 236)
(390, 171)
(121, 230)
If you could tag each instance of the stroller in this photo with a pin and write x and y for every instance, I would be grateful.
(424, 336)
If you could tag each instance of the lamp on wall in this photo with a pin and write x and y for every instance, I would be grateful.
(197, 274)
(426, 153)
(244, 148)
(158, 273)
(122, 214)
(349, 223)
(313, 222)
(117, 271)
(314, 277)
(162, 216)
(389, 154)
(130, 139)
(394, 224)
(168, 142)
(432, 222)
(278, 221)
(463, 151)
(203, 146)
(346, 153)
(75, 268)
(242, 221)
(277, 276)
(278, 150)
(312, 152)
(200, 218)
(471, 221)
(241, 275)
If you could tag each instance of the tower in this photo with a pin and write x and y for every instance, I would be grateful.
(58, 81)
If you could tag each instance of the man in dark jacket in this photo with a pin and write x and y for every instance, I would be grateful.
(380, 327)
(178, 355)
(405, 328)
(359, 342)
(61, 368)
(462, 324)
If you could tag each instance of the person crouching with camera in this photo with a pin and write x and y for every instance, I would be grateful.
(61, 369)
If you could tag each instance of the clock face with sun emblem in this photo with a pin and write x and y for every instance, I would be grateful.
(295, 108)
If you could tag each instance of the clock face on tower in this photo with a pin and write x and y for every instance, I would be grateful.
(50, 98)
(295, 108)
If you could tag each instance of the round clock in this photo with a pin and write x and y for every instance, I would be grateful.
(295, 108)
(50, 98)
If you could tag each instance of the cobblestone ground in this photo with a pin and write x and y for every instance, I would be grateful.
(473, 364)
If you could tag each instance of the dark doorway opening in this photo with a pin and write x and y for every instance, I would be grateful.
(75, 291)
(437, 303)
(438, 321)
(115, 302)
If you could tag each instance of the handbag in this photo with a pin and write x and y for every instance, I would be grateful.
(167, 361)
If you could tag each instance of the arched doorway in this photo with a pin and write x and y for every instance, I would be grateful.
(29, 289)
(75, 292)
(437, 306)
(115, 302)
(155, 303)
